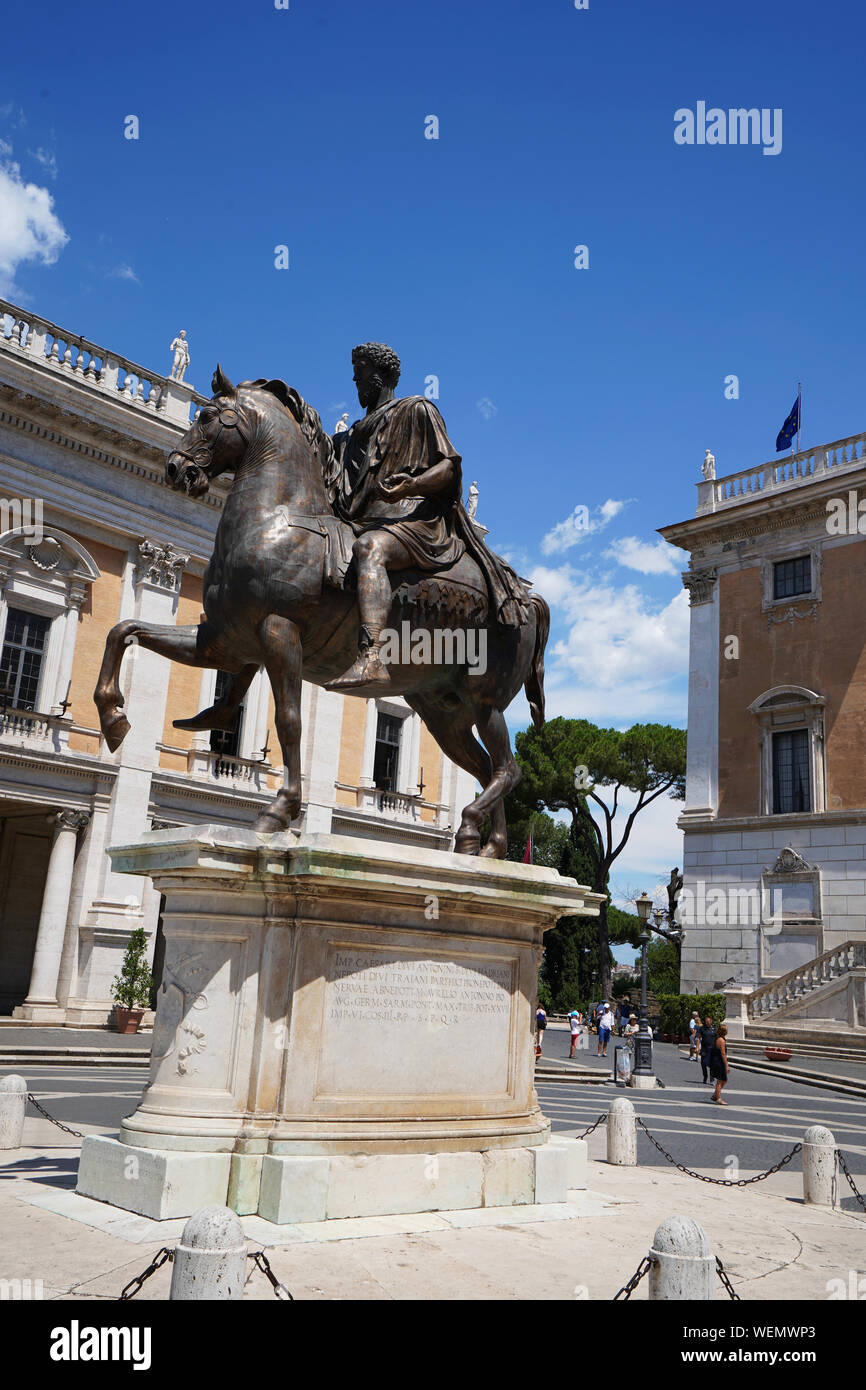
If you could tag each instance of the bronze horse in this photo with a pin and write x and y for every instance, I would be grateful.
(270, 600)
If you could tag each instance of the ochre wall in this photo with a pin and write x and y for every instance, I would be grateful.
(827, 656)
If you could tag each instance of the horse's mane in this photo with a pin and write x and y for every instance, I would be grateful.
(311, 426)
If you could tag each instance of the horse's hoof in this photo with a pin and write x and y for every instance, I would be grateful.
(114, 731)
(467, 842)
(493, 850)
(267, 824)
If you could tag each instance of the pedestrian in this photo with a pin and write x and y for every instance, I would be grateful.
(605, 1028)
(694, 1025)
(540, 1025)
(623, 1012)
(719, 1064)
(574, 1022)
(706, 1043)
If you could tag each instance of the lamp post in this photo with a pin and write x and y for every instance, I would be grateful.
(643, 1075)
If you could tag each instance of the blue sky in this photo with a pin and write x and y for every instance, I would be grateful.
(561, 387)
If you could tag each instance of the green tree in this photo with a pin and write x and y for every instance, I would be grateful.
(648, 760)
(662, 967)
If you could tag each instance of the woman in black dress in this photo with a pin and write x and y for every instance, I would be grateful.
(719, 1064)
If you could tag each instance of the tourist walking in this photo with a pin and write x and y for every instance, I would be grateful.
(719, 1064)
(540, 1025)
(706, 1043)
(694, 1025)
(574, 1022)
(605, 1028)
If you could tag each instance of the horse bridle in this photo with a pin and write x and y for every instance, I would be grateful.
(229, 419)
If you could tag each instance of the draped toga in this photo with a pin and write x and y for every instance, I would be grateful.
(408, 436)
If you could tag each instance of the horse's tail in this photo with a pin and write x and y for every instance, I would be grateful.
(534, 686)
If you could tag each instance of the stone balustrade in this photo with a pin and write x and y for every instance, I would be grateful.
(793, 470)
(797, 983)
(95, 367)
(228, 770)
(403, 806)
(42, 733)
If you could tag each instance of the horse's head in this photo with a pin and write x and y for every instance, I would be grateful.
(215, 442)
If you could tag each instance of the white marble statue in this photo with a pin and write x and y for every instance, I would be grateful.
(180, 348)
(472, 501)
(341, 425)
(708, 467)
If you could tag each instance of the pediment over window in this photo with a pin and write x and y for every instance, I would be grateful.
(781, 695)
(48, 553)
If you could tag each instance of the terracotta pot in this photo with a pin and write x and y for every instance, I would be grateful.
(777, 1054)
(127, 1020)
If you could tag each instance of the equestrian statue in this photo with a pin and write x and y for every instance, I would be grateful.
(328, 546)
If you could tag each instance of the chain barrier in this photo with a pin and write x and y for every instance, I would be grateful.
(720, 1182)
(723, 1275)
(845, 1169)
(628, 1289)
(156, 1263)
(261, 1261)
(602, 1119)
(42, 1111)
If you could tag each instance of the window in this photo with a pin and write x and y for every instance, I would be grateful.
(21, 661)
(226, 741)
(388, 729)
(791, 577)
(791, 791)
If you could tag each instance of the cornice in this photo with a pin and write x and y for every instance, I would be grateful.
(779, 511)
(35, 420)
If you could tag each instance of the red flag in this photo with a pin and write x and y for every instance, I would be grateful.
(527, 853)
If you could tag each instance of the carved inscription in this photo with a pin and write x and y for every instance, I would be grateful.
(401, 1022)
(415, 991)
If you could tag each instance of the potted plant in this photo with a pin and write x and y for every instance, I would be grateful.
(132, 987)
(777, 1054)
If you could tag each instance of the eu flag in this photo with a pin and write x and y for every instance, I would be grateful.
(789, 429)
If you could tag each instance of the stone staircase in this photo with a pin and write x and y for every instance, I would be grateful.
(826, 995)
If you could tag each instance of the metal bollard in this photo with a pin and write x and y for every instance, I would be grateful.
(684, 1265)
(621, 1133)
(819, 1167)
(13, 1103)
(210, 1261)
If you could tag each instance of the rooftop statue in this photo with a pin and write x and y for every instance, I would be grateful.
(180, 348)
(326, 549)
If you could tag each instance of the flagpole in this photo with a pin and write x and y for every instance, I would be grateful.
(799, 412)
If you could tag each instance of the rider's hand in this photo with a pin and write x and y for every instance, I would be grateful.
(399, 485)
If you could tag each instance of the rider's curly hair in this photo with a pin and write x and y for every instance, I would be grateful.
(383, 358)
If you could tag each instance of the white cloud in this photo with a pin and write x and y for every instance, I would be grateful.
(580, 524)
(644, 556)
(47, 159)
(124, 272)
(29, 227)
(622, 657)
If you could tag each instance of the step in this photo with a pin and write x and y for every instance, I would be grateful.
(75, 1056)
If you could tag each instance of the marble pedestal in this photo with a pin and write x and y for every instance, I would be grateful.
(344, 1028)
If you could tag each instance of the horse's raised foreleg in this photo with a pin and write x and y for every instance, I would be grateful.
(281, 645)
(192, 646)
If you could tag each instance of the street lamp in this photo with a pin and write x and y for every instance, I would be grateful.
(643, 1075)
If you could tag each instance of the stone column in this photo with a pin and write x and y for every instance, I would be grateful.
(41, 1001)
(703, 721)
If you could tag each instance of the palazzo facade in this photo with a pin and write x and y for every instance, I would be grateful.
(775, 811)
(89, 535)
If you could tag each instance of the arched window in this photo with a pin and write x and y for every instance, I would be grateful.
(791, 724)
